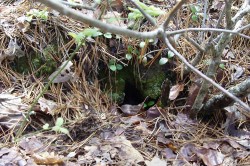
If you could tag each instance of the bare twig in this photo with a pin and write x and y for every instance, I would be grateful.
(228, 6)
(96, 23)
(221, 100)
(233, 97)
(77, 5)
(147, 16)
(217, 25)
(207, 29)
(216, 53)
(244, 27)
(172, 12)
(197, 46)
(204, 19)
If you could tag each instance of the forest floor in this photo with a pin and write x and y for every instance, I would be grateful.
(74, 122)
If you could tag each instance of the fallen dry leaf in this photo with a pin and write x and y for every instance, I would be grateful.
(65, 75)
(47, 158)
(47, 106)
(31, 145)
(156, 161)
(210, 157)
(175, 90)
(11, 110)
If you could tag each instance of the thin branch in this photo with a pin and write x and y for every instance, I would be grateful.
(228, 12)
(245, 8)
(202, 75)
(217, 24)
(172, 12)
(206, 29)
(96, 23)
(204, 19)
(220, 101)
(77, 5)
(211, 72)
(197, 46)
(147, 16)
(244, 27)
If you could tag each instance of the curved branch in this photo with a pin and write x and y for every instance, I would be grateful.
(220, 101)
(233, 97)
(207, 29)
(96, 23)
(77, 5)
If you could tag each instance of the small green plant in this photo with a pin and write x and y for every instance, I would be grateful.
(170, 54)
(113, 66)
(128, 56)
(222, 66)
(142, 44)
(164, 60)
(151, 10)
(42, 14)
(149, 104)
(58, 127)
(88, 32)
(196, 12)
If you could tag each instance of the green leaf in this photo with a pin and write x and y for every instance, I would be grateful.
(151, 103)
(130, 49)
(142, 44)
(151, 40)
(64, 130)
(72, 34)
(112, 61)
(170, 54)
(98, 1)
(163, 61)
(144, 60)
(119, 66)
(128, 56)
(77, 36)
(194, 9)
(91, 32)
(46, 126)
(56, 128)
(112, 67)
(108, 35)
(222, 66)
(29, 18)
(59, 121)
(194, 17)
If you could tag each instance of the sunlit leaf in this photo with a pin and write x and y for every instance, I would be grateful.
(64, 130)
(56, 128)
(128, 56)
(112, 67)
(222, 66)
(163, 61)
(59, 121)
(46, 126)
(108, 35)
(194, 17)
(144, 60)
(170, 54)
(142, 44)
(98, 1)
(91, 32)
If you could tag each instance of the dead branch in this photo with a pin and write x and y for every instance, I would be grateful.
(220, 101)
